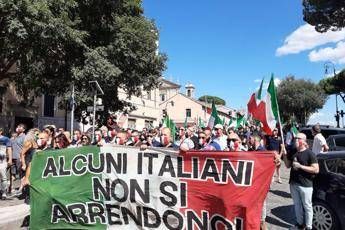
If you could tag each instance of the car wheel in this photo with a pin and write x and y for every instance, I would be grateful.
(323, 217)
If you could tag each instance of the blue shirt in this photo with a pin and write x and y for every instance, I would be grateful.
(5, 141)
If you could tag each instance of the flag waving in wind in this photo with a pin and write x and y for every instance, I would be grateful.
(214, 119)
(272, 109)
(266, 111)
(254, 101)
(257, 107)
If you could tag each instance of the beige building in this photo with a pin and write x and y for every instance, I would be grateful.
(150, 108)
(181, 106)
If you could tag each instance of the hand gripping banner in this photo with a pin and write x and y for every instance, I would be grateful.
(124, 188)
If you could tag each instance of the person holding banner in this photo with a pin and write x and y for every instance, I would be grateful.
(303, 166)
(42, 144)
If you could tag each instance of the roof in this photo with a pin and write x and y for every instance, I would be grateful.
(332, 155)
(196, 101)
(169, 84)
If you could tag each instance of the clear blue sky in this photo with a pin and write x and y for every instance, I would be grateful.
(223, 47)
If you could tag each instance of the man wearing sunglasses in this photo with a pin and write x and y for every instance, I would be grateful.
(304, 167)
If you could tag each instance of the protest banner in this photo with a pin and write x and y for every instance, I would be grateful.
(124, 188)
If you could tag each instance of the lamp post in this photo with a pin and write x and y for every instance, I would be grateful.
(97, 90)
(327, 65)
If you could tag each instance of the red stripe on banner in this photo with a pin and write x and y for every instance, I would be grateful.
(239, 200)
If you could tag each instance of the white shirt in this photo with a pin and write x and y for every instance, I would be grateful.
(319, 141)
(222, 141)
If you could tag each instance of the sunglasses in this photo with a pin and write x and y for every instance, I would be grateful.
(202, 137)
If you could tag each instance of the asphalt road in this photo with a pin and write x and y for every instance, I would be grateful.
(280, 214)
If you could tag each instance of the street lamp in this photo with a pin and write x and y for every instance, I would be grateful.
(328, 65)
(97, 90)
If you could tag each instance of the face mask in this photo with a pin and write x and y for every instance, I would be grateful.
(201, 141)
(232, 145)
(75, 137)
(119, 141)
(41, 143)
(135, 139)
(111, 134)
(98, 137)
(164, 140)
(236, 145)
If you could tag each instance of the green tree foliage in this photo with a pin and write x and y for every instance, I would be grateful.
(299, 98)
(334, 85)
(55, 44)
(209, 99)
(324, 15)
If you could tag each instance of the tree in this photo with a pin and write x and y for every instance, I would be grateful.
(299, 98)
(324, 14)
(334, 85)
(55, 44)
(209, 99)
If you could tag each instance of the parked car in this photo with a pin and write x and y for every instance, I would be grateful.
(325, 130)
(336, 142)
(329, 192)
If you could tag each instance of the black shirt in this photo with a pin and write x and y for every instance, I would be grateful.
(273, 143)
(299, 176)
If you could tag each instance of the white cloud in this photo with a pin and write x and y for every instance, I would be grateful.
(336, 54)
(306, 38)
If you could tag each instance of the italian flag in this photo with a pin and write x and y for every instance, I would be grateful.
(265, 111)
(233, 122)
(272, 109)
(214, 118)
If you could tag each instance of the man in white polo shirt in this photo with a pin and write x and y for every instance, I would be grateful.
(220, 138)
(319, 144)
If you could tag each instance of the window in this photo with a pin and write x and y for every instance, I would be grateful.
(131, 123)
(48, 107)
(149, 96)
(188, 113)
(148, 124)
(189, 93)
(341, 166)
(164, 113)
(332, 165)
(340, 141)
(162, 97)
(336, 165)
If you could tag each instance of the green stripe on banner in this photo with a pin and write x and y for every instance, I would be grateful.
(50, 194)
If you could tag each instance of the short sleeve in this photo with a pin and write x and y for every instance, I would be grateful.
(312, 158)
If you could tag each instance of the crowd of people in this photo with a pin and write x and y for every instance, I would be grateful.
(17, 151)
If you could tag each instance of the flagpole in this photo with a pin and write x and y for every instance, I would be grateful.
(279, 121)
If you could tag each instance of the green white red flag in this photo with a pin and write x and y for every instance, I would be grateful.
(214, 118)
(272, 109)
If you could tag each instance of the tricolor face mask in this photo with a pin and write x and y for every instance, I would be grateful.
(119, 141)
(164, 140)
(41, 143)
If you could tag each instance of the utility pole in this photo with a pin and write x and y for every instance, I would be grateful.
(72, 109)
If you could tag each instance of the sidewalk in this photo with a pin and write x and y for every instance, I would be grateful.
(11, 217)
